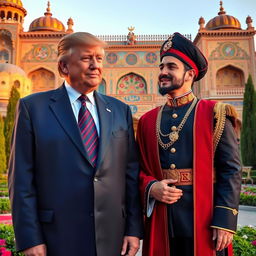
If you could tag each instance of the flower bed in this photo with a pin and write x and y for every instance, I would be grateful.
(5, 205)
(248, 196)
(244, 243)
(7, 241)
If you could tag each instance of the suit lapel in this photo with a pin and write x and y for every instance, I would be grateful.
(63, 112)
(105, 114)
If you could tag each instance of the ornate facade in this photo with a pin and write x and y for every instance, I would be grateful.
(131, 63)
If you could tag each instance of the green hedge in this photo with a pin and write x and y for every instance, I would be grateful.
(244, 243)
(4, 193)
(5, 205)
(7, 234)
(248, 196)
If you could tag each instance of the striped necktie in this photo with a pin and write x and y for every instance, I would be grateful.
(88, 131)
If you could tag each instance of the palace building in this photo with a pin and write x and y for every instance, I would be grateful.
(28, 59)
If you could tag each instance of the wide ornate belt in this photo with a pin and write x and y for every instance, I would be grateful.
(184, 177)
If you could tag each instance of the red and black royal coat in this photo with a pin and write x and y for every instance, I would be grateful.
(214, 204)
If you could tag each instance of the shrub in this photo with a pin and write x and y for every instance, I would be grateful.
(248, 196)
(5, 205)
(9, 120)
(7, 234)
(2, 147)
(4, 194)
(244, 243)
(247, 199)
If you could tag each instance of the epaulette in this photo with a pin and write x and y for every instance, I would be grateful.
(221, 111)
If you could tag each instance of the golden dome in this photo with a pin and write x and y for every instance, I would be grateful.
(223, 21)
(47, 23)
(16, 2)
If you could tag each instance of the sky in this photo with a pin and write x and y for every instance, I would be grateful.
(113, 17)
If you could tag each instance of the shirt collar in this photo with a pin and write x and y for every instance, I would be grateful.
(74, 95)
(181, 99)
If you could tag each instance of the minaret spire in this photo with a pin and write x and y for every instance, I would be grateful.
(222, 11)
(48, 10)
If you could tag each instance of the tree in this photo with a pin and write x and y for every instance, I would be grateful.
(9, 120)
(248, 134)
(2, 147)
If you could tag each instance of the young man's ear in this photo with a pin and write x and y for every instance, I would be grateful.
(190, 75)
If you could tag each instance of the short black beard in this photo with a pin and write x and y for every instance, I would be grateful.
(164, 90)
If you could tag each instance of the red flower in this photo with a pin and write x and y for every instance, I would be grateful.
(254, 242)
(4, 252)
(2, 242)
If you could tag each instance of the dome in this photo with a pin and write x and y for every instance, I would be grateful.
(47, 23)
(11, 69)
(12, 2)
(223, 21)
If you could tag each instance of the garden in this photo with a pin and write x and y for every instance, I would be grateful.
(244, 241)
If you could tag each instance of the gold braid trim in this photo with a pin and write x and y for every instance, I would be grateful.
(221, 110)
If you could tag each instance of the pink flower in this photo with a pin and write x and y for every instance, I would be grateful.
(254, 242)
(2, 242)
(4, 252)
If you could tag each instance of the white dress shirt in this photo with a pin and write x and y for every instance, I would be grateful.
(76, 104)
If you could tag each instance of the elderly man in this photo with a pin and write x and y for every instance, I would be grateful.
(190, 168)
(73, 174)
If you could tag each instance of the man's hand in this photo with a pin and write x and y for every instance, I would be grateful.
(39, 250)
(164, 193)
(224, 238)
(131, 245)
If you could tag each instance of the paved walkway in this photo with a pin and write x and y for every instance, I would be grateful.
(247, 215)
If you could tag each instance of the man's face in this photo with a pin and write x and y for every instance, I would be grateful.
(84, 68)
(172, 73)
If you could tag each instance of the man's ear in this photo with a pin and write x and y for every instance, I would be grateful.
(63, 67)
(190, 76)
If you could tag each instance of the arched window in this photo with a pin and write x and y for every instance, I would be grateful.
(131, 84)
(229, 77)
(2, 15)
(102, 87)
(9, 15)
(16, 17)
(42, 80)
(6, 46)
(4, 56)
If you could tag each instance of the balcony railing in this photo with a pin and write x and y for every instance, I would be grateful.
(110, 38)
(230, 92)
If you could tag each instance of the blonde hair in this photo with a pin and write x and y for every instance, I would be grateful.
(68, 42)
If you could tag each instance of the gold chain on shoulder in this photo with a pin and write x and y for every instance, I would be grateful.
(174, 134)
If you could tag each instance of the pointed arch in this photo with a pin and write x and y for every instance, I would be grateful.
(42, 80)
(4, 56)
(131, 83)
(229, 77)
(102, 87)
(6, 48)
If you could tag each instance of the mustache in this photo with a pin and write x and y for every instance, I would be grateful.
(165, 77)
